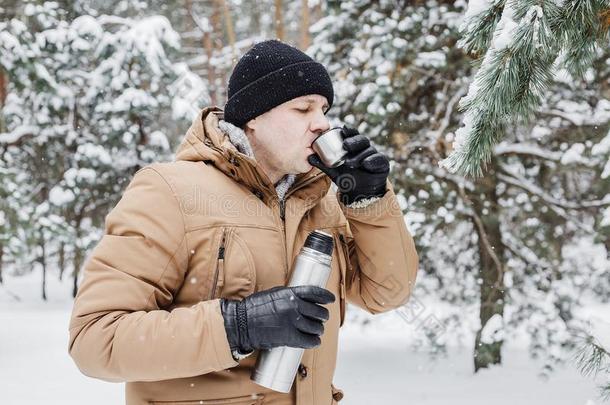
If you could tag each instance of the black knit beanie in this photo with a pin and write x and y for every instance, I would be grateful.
(269, 74)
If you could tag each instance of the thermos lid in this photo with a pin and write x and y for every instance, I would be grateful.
(320, 241)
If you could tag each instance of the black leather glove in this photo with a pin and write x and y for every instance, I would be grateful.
(279, 316)
(364, 172)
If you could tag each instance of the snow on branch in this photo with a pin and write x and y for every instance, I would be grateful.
(517, 67)
(533, 189)
(571, 156)
(521, 251)
(16, 135)
(480, 21)
(527, 149)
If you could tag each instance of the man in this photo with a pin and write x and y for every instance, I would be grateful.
(189, 279)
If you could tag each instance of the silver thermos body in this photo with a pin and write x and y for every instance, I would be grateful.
(276, 368)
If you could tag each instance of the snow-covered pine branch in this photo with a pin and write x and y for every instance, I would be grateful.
(581, 24)
(593, 356)
(517, 67)
(480, 21)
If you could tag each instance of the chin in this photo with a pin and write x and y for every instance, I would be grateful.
(303, 168)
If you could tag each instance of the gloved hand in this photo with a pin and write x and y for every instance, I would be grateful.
(279, 316)
(364, 172)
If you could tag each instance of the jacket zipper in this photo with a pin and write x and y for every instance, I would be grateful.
(345, 250)
(282, 208)
(303, 184)
(219, 264)
(343, 280)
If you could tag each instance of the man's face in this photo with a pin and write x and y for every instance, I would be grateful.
(281, 138)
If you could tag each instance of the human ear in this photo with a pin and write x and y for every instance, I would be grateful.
(250, 125)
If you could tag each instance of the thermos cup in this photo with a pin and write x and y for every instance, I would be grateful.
(329, 147)
(276, 368)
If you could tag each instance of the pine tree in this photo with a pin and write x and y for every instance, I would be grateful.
(501, 251)
(592, 357)
(95, 92)
(90, 101)
(520, 41)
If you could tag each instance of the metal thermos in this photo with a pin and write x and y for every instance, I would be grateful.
(276, 368)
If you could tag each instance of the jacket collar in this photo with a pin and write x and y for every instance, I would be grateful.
(205, 141)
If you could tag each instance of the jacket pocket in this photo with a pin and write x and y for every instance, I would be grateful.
(233, 274)
(254, 399)
(218, 275)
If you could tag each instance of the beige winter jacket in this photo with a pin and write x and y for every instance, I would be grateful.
(147, 312)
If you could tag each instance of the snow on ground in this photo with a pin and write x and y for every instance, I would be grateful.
(375, 366)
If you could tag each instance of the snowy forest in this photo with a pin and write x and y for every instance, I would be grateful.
(495, 115)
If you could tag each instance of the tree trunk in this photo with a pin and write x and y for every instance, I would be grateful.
(3, 90)
(209, 51)
(77, 261)
(279, 24)
(229, 27)
(188, 20)
(318, 11)
(255, 18)
(43, 263)
(62, 260)
(305, 40)
(1, 254)
(77, 258)
(2, 87)
(190, 39)
(487, 351)
(211, 43)
(10, 9)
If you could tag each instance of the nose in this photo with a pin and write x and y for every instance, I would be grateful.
(320, 124)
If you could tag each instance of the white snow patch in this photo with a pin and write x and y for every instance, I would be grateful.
(504, 34)
(606, 217)
(601, 333)
(476, 7)
(573, 154)
(433, 59)
(493, 331)
(158, 138)
(60, 196)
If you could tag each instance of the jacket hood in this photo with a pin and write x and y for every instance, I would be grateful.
(205, 141)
